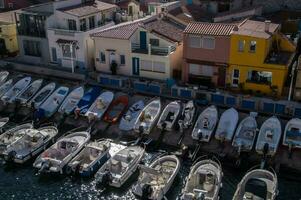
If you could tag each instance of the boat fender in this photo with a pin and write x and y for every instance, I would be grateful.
(146, 191)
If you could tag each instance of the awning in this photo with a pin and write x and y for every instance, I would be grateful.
(63, 41)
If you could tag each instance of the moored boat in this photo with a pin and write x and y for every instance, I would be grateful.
(292, 133)
(51, 105)
(187, 115)
(5, 87)
(55, 158)
(227, 125)
(245, 134)
(3, 76)
(128, 120)
(15, 90)
(3, 122)
(269, 137)
(116, 109)
(30, 91)
(155, 180)
(90, 159)
(119, 168)
(257, 184)
(71, 101)
(204, 180)
(169, 116)
(100, 105)
(42, 95)
(205, 124)
(31, 144)
(148, 117)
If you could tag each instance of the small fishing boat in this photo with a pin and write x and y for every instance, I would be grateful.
(128, 120)
(116, 109)
(204, 181)
(148, 117)
(71, 101)
(116, 171)
(227, 125)
(258, 184)
(51, 105)
(100, 105)
(5, 87)
(42, 95)
(31, 90)
(245, 134)
(3, 76)
(31, 144)
(292, 133)
(187, 115)
(169, 116)
(269, 137)
(155, 180)
(89, 97)
(3, 122)
(55, 158)
(88, 161)
(205, 124)
(12, 135)
(15, 90)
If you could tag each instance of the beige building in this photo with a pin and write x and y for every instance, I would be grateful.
(150, 48)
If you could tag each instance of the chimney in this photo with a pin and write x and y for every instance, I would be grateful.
(267, 25)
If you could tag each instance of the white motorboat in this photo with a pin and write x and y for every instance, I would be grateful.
(204, 181)
(292, 133)
(116, 171)
(55, 158)
(148, 117)
(31, 144)
(30, 91)
(155, 180)
(245, 134)
(51, 105)
(12, 135)
(71, 101)
(269, 137)
(100, 105)
(90, 159)
(187, 115)
(15, 90)
(227, 125)
(5, 87)
(128, 120)
(3, 76)
(169, 116)
(205, 124)
(42, 95)
(3, 122)
(258, 184)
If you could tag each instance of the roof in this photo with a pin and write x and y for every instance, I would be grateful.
(8, 16)
(205, 28)
(87, 8)
(166, 28)
(254, 28)
(190, 13)
(125, 4)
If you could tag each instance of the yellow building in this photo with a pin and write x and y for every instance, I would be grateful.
(260, 57)
(8, 38)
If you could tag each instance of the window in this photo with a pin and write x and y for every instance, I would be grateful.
(200, 70)
(195, 41)
(241, 45)
(253, 46)
(82, 24)
(102, 57)
(195, 69)
(122, 59)
(258, 77)
(235, 78)
(154, 42)
(54, 55)
(208, 43)
(146, 65)
(10, 5)
(66, 49)
(32, 48)
(1, 3)
(91, 22)
(159, 67)
(72, 24)
(0, 30)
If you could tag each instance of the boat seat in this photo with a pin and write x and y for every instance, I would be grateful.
(269, 135)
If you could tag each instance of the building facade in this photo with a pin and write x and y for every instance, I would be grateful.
(8, 38)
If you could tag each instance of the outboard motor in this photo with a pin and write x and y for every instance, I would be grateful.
(10, 156)
(200, 135)
(164, 126)
(105, 180)
(200, 196)
(266, 149)
(146, 191)
(44, 166)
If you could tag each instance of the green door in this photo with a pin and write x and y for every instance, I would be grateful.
(135, 64)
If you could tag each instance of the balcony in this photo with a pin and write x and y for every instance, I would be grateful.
(153, 50)
(279, 58)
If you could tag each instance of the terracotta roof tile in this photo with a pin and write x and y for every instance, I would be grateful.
(204, 28)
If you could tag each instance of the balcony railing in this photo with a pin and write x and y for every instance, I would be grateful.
(152, 50)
